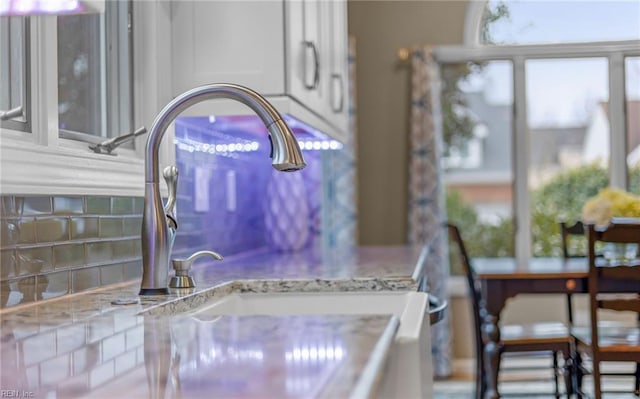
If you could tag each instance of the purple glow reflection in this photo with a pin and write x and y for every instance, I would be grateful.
(30, 7)
(243, 131)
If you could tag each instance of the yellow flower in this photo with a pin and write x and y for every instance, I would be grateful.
(610, 203)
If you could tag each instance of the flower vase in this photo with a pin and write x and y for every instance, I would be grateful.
(286, 213)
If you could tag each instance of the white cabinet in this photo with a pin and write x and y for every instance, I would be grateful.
(338, 70)
(293, 52)
(231, 42)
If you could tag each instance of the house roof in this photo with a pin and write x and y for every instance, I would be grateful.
(632, 108)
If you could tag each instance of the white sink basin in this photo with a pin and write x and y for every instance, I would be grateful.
(408, 373)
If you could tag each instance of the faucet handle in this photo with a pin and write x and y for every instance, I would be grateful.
(182, 279)
(170, 174)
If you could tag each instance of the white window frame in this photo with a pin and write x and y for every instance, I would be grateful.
(615, 52)
(43, 163)
(20, 122)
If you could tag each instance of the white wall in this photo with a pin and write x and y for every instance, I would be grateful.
(382, 85)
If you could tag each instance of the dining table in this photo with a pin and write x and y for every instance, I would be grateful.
(504, 278)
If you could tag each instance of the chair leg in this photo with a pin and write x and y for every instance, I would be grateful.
(637, 387)
(569, 374)
(555, 374)
(480, 384)
(578, 374)
(597, 388)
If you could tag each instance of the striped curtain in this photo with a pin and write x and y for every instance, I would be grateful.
(426, 191)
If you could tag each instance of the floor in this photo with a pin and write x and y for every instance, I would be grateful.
(461, 385)
(462, 389)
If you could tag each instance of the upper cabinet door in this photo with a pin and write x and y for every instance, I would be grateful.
(292, 51)
(338, 73)
(228, 42)
(307, 53)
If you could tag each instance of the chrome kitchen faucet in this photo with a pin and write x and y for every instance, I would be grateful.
(159, 223)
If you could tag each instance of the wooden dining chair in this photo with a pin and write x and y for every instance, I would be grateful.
(603, 342)
(567, 233)
(526, 340)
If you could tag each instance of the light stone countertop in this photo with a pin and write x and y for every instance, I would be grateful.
(83, 346)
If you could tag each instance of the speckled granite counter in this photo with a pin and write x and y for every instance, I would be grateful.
(83, 346)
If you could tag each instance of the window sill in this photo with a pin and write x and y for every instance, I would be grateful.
(32, 169)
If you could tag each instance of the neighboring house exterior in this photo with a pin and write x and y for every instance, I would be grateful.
(486, 180)
(596, 147)
(485, 177)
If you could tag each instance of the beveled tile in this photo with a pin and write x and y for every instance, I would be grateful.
(98, 205)
(52, 230)
(7, 263)
(131, 226)
(111, 274)
(132, 270)
(37, 206)
(110, 227)
(26, 231)
(34, 260)
(53, 285)
(9, 233)
(84, 279)
(99, 251)
(68, 255)
(8, 206)
(84, 227)
(68, 205)
(126, 249)
(28, 288)
(138, 205)
(121, 205)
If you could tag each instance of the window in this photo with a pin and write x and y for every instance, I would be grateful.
(94, 72)
(575, 89)
(13, 72)
(567, 124)
(546, 22)
(479, 161)
(51, 160)
(632, 107)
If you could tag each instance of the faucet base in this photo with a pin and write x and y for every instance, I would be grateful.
(154, 291)
(182, 282)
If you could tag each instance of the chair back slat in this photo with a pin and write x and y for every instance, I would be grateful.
(567, 230)
(627, 272)
(618, 231)
(604, 273)
(621, 305)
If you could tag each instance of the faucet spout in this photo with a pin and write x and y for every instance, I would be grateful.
(156, 243)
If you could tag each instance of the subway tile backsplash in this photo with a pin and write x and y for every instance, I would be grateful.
(230, 200)
(52, 246)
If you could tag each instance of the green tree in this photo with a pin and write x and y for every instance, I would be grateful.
(561, 198)
(481, 239)
(457, 123)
